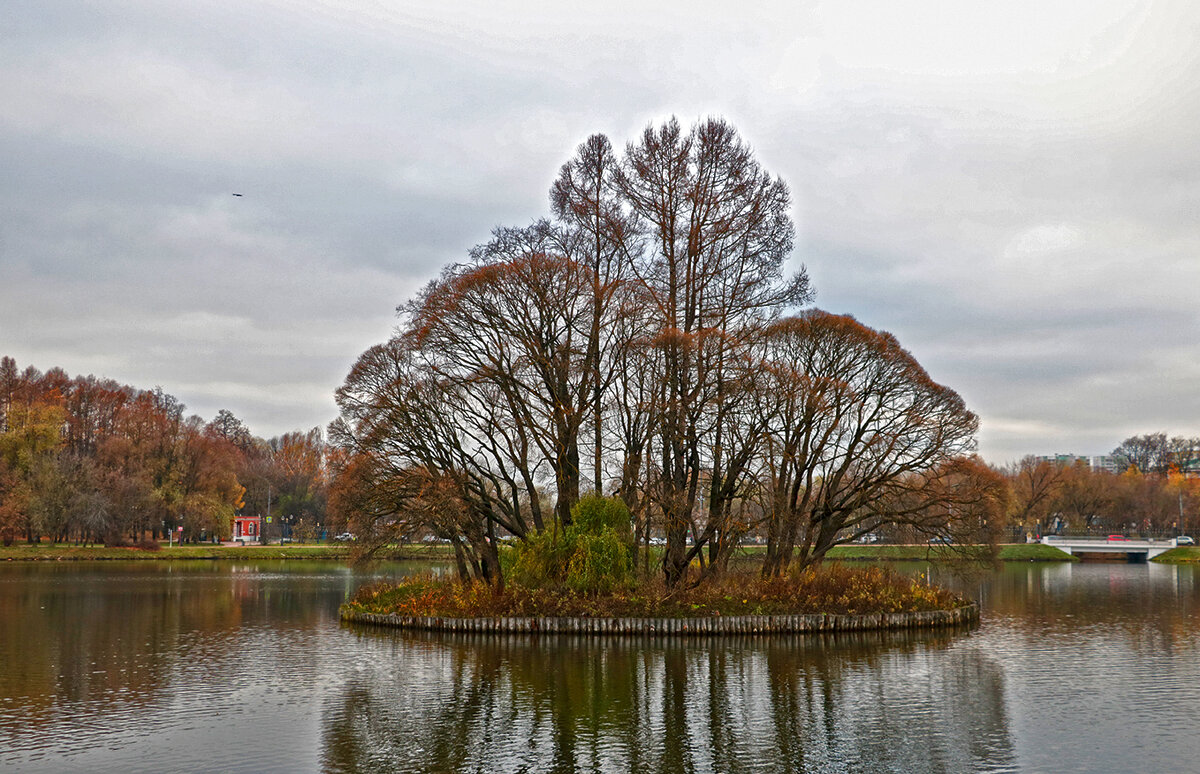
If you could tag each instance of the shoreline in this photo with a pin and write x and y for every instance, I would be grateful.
(1009, 552)
(205, 552)
(44, 552)
(670, 627)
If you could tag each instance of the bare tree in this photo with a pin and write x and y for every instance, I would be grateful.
(857, 426)
(1036, 486)
(1084, 496)
(518, 320)
(400, 419)
(717, 231)
(1149, 453)
(596, 231)
(643, 321)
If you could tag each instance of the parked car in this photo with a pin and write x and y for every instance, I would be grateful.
(345, 537)
(1184, 540)
(943, 539)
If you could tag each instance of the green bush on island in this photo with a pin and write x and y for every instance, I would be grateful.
(591, 556)
(599, 563)
(828, 588)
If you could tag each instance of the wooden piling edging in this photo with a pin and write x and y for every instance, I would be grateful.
(719, 625)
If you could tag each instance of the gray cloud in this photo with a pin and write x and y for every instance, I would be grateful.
(1011, 189)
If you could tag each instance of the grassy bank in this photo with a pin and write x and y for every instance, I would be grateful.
(1180, 555)
(832, 589)
(1011, 552)
(208, 552)
(1019, 552)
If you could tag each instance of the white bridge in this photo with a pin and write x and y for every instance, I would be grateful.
(1135, 550)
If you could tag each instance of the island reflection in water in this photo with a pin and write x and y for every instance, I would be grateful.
(244, 667)
(869, 702)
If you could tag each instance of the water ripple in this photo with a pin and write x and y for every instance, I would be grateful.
(1075, 669)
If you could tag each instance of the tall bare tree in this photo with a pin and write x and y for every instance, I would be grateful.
(717, 231)
(595, 230)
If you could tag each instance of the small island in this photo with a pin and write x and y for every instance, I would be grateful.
(650, 338)
(581, 580)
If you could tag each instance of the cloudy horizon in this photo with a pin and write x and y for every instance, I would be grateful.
(1010, 189)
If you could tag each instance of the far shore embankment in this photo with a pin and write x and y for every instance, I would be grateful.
(45, 551)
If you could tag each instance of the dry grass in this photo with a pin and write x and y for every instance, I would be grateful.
(831, 588)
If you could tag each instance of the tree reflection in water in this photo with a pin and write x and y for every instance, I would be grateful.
(870, 702)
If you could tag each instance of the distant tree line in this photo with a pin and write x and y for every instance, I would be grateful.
(1157, 454)
(90, 460)
(1155, 489)
(644, 341)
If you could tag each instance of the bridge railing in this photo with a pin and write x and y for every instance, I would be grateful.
(1109, 539)
(1103, 533)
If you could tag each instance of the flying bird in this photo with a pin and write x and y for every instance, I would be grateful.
(237, 194)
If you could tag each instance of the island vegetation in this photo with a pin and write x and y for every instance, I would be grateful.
(587, 571)
(647, 340)
(831, 589)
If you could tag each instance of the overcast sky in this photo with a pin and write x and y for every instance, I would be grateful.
(1012, 189)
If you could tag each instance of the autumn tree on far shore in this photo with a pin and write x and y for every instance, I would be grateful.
(90, 460)
(1048, 496)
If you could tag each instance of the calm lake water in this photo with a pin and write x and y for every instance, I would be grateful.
(203, 667)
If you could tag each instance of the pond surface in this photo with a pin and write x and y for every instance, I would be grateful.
(198, 667)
